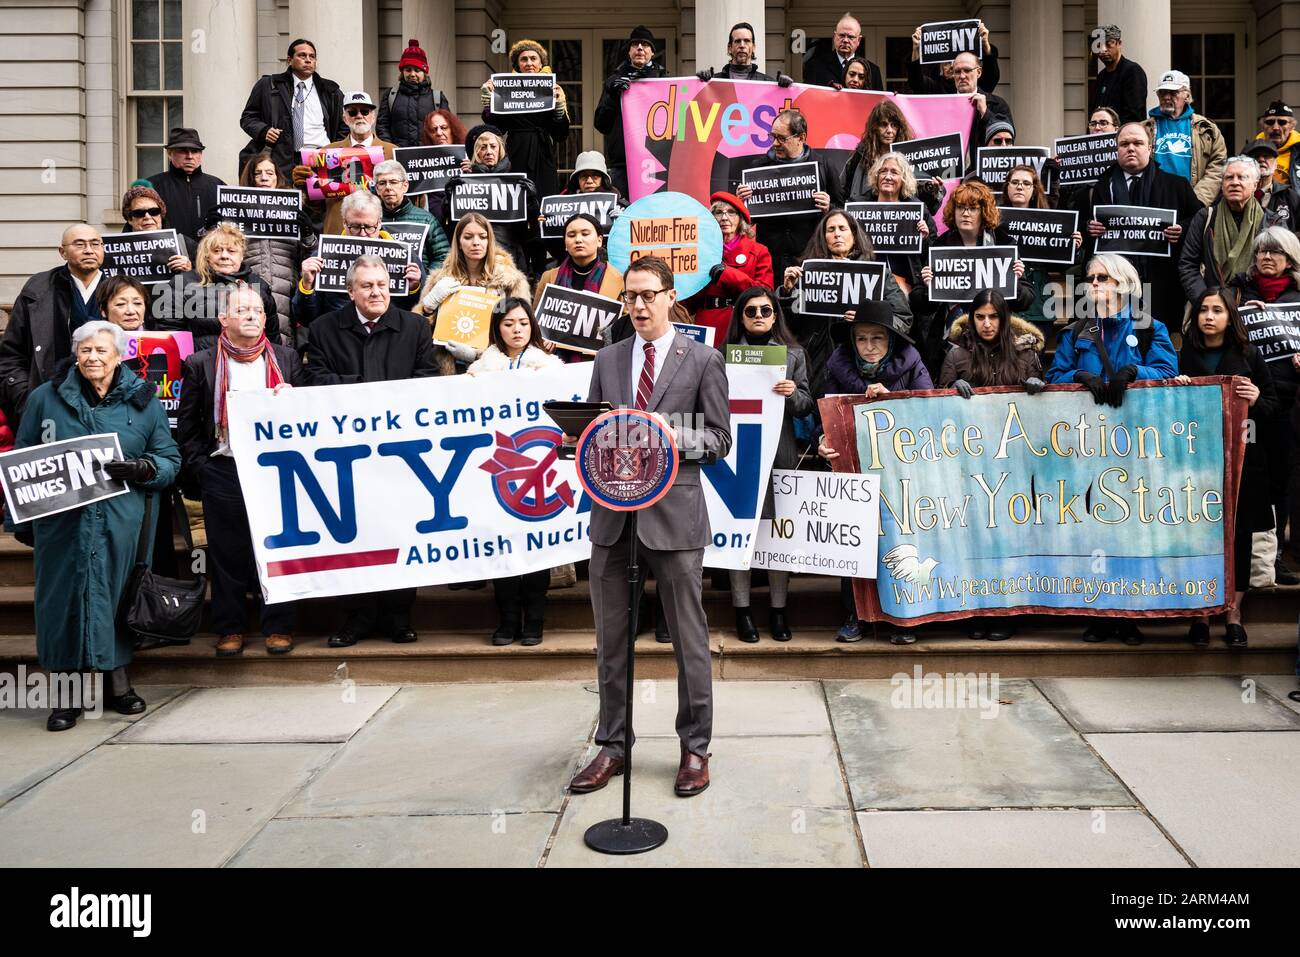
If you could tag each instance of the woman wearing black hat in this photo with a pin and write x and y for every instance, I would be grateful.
(874, 356)
(639, 64)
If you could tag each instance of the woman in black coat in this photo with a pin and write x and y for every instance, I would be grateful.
(402, 108)
(756, 320)
(485, 153)
(535, 138)
(1274, 280)
(1216, 344)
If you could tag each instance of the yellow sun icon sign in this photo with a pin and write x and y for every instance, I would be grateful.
(466, 326)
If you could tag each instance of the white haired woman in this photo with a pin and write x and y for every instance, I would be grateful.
(1107, 352)
(84, 556)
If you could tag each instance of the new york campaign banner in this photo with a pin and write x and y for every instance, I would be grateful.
(386, 485)
(696, 138)
(1048, 504)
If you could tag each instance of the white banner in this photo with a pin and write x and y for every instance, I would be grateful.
(825, 523)
(734, 488)
(360, 488)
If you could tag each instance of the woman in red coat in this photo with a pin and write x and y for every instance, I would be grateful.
(745, 263)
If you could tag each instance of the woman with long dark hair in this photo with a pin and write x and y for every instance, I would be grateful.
(757, 320)
(515, 342)
(885, 126)
(1217, 344)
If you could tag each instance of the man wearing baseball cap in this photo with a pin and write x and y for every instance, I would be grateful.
(1277, 125)
(359, 115)
(1187, 144)
(1281, 201)
(188, 191)
(1121, 83)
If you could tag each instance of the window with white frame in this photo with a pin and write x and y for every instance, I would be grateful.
(153, 81)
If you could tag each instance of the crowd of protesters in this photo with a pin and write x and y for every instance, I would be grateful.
(259, 322)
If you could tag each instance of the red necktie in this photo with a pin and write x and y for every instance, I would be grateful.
(647, 383)
(370, 326)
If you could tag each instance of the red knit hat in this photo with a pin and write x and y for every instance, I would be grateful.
(414, 56)
(731, 199)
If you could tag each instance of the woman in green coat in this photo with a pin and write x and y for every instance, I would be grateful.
(84, 556)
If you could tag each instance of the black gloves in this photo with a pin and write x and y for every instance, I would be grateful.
(716, 272)
(1118, 383)
(782, 80)
(453, 182)
(963, 388)
(138, 471)
(704, 76)
(1034, 386)
(1094, 385)
(617, 83)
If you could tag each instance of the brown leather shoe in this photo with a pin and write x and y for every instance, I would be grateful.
(693, 776)
(597, 774)
(230, 645)
(279, 644)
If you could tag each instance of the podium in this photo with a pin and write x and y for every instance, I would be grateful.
(627, 460)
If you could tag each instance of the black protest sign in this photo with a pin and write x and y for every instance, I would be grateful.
(1134, 230)
(958, 272)
(521, 94)
(429, 167)
(785, 190)
(142, 256)
(573, 318)
(500, 197)
(1082, 159)
(43, 480)
(993, 163)
(941, 42)
(558, 210)
(1045, 237)
(891, 227)
(261, 213)
(1273, 330)
(832, 287)
(340, 251)
(410, 233)
(940, 156)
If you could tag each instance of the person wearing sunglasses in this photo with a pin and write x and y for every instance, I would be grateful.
(1277, 125)
(143, 210)
(745, 262)
(359, 114)
(757, 320)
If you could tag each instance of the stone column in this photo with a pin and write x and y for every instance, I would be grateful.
(344, 32)
(1038, 55)
(713, 21)
(433, 23)
(219, 69)
(1146, 27)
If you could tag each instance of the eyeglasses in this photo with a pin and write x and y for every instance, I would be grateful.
(962, 70)
(847, 36)
(359, 110)
(754, 312)
(1027, 183)
(965, 208)
(628, 298)
(83, 244)
(153, 211)
(1097, 277)
(1097, 124)
(358, 229)
(779, 138)
(1276, 122)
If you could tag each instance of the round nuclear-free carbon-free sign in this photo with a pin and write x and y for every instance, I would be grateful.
(627, 459)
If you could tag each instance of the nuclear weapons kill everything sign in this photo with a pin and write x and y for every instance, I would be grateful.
(1048, 504)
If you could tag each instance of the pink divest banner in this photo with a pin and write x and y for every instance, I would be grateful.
(692, 137)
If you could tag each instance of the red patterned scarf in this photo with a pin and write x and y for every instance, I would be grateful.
(226, 351)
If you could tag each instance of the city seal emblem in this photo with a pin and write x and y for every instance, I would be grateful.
(627, 459)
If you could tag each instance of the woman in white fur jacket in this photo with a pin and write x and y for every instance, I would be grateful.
(515, 342)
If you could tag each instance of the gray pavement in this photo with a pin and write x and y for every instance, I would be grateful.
(948, 771)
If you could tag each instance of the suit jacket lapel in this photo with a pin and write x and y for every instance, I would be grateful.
(623, 370)
(287, 89)
(673, 363)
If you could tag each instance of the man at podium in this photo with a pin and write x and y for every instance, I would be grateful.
(658, 370)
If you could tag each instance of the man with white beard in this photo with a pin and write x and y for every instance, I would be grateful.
(359, 114)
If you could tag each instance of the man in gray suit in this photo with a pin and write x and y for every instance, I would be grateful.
(662, 371)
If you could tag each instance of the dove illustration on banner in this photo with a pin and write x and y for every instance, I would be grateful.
(903, 564)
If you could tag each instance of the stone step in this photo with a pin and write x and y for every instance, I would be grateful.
(1044, 648)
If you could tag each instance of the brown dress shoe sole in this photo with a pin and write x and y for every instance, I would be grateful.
(229, 652)
(691, 793)
(588, 789)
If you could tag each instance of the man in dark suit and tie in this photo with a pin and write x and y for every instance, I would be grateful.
(289, 111)
(825, 67)
(661, 371)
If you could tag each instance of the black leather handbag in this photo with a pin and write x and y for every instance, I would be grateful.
(160, 611)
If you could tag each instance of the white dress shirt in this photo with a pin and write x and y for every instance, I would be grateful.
(87, 289)
(662, 345)
(242, 376)
(313, 115)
